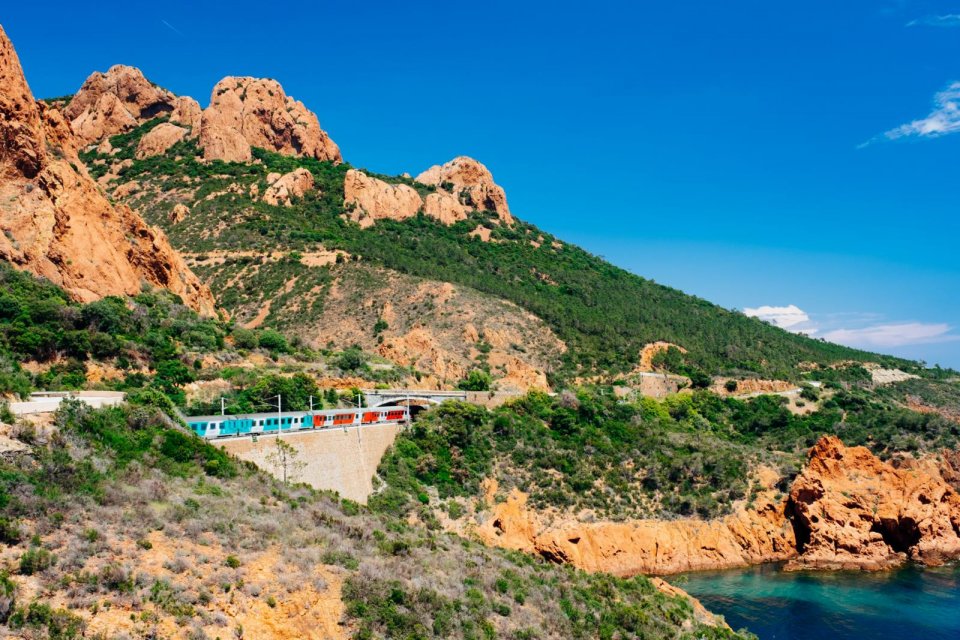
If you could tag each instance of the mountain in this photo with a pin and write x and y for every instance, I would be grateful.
(56, 222)
(229, 201)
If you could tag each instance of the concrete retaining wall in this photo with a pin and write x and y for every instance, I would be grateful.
(343, 460)
(49, 401)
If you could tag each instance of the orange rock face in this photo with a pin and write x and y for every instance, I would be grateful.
(370, 199)
(445, 207)
(291, 185)
(646, 546)
(55, 222)
(467, 175)
(252, 112)
(159, 139)
(854, 511)
(847, 510)
(187, 112)
(116, 101)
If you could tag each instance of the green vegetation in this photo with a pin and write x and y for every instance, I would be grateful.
(102, 465)
(689, 454)
(39, 322)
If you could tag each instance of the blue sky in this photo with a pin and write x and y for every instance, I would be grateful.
(800, 156)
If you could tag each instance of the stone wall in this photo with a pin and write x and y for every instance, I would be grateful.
(343, 460)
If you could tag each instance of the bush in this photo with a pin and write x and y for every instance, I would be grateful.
(34, 560)
(730, 385)
(274, 341)
(245, 339)
(60, 624)
(476, 380)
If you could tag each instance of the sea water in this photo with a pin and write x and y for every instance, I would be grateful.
(905, 604)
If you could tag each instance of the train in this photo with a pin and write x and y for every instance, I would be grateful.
(224, 426)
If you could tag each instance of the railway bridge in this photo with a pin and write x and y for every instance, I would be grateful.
(416, 399)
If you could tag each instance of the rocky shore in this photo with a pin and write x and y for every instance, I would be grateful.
(846, 510)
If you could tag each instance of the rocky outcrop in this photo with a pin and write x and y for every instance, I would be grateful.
(187, 112)
(846, 510)
(290, 185)
(156, 141)
(852, 510)
(55, 222)
(116, 101)
(445, 207)
(179, 213)
(253, 112)
(749, 536)
(369, 199)
(471, 182)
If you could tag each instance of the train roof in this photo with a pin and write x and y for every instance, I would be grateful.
(273, 414)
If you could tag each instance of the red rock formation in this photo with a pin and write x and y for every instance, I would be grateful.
(159, 139)
(854, 511)
(467, 175)
(646, 546)
(369, 199)
(847, 510)
(55, 222)
(290, 185)
(252, 112)
(116, 101)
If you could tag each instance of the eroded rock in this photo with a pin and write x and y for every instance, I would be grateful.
(254, 112)
(55, 222)
(156, 141)
(291, 185)
(472, 183)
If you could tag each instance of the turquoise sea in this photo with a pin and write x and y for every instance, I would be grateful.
(906, 604)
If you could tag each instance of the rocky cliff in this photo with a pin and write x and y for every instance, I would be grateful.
(846, 510)
(467, 177)
(852, 510)
(116, 101)
(748, 536)
(56, 223)
(243, 113)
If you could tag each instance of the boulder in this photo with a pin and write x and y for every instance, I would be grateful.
(253, 112)
(472, 183)
(290, 185)
(156, 141)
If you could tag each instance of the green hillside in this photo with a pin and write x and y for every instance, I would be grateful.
(602, 312)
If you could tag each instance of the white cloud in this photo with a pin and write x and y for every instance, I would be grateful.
(866, 332)
(789, 317)
(943, 120)
(948, 20)
(893, 335)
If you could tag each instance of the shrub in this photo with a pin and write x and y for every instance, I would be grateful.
(35, 560)
(274, 341)
(245, 339)
(730, 385)
(476, 380)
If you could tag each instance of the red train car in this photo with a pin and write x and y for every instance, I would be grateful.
(344, 418)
